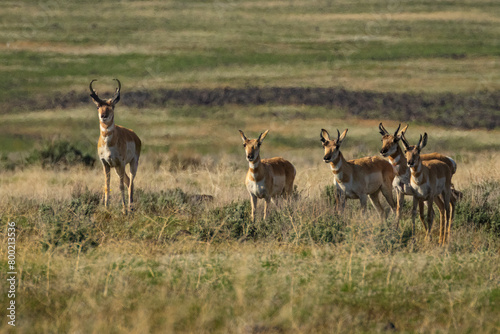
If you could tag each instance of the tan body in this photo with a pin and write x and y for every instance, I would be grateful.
(266, 178)
(116, 148)
(430, 182)
(401, 183)
(359, 178)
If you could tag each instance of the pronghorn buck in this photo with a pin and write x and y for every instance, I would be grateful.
(117, 147)
(266, 178)
(430, 179)
(401, 184)
(358, 178)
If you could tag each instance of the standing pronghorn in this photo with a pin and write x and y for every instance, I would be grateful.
(117, 147)
(266, 178)
(430, 179)
(391, 150)
(359, 178)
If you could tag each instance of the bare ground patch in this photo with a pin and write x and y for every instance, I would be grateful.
(462, 110)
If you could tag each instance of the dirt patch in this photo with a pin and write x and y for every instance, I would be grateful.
(478, 110)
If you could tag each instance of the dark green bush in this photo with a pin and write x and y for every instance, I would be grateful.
(480, 207)
(166, 201)
(227, 222)
(64, 229)
(60, 153)
(84, 202)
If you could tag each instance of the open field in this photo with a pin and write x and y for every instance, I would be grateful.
(193, 73)
(402, 46)
(180, 265)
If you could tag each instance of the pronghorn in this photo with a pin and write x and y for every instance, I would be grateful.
(359, 178)
(266, 178)
(117, 147)
(401, 184)
(430, 179)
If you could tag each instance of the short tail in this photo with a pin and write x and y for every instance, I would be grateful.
(453, 165)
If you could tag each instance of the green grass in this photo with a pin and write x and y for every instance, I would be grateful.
(62, 45)
(180, 265)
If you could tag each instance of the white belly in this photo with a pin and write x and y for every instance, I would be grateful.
(110, 155)
(257, 189)
(346, 187)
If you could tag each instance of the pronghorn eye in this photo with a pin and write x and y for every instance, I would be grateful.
(244, 145)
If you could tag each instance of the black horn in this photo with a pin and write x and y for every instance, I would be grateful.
(93, 93)
(396, 133)
(383, 131)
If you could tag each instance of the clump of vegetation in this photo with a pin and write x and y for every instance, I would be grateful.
(480, 207)
(231, 221)
(6, 163)
(84, 202)
(61, 228)
(60, 153)
(166, 201)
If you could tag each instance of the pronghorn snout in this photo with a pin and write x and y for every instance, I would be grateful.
(383, 151)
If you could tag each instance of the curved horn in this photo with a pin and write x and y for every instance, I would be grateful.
(116, 98)
(383, 131)
(396, 133)
(93, 94)
(405, 142)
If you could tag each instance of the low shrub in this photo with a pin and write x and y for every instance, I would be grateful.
(60, 153)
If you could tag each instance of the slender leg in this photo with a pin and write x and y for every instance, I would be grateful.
(253, 201)
(448, 208)
(363, 200)
(413, 214)
(421, 216)
(387, 192)
(341, 201)
(374, 198)
(442, 219)
(107, 177)
(400, 203)
(133, 170)
(266, 205)
(451, 217)
(120, 170)
(430, 219)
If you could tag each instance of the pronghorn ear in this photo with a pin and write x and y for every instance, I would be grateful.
(243, 136)
(97, 103)
(423, 141)
(341, 137)
(325, 136)
(383, 131)
(262, 136)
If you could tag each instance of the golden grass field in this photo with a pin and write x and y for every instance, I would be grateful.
(177, 265)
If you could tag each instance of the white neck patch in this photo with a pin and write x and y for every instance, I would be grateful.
(254, 165)
(395, 161)
(108, 129)
(336, 167)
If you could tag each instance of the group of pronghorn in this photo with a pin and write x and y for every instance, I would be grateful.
(426, 177)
